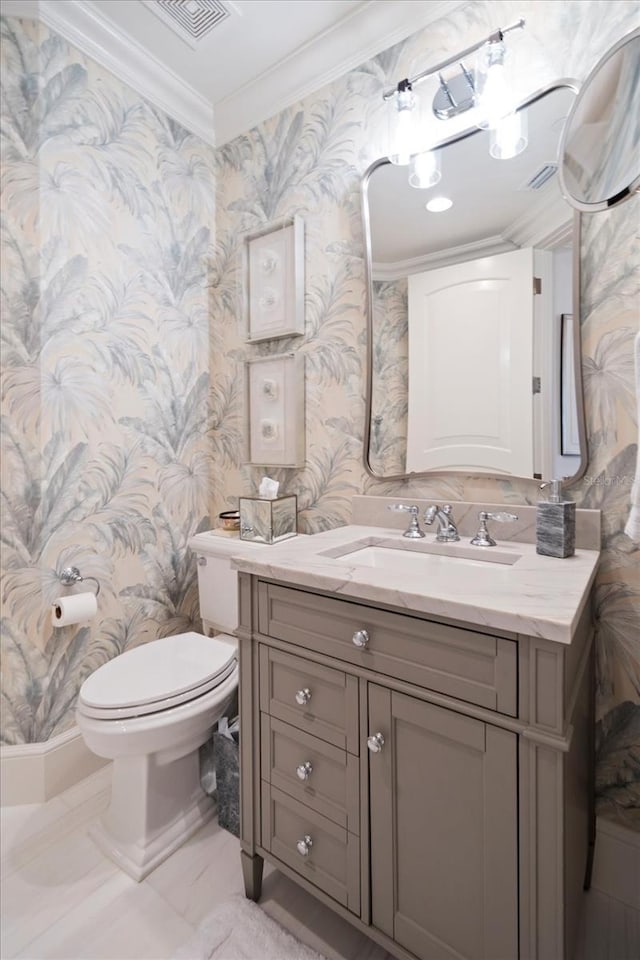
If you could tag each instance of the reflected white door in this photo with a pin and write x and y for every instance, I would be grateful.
(471, 366)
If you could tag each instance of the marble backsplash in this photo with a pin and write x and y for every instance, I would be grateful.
(374, 512)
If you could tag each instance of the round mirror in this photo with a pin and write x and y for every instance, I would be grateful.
(600, 146)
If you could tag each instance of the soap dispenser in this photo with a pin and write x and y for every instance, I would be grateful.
(555, 523)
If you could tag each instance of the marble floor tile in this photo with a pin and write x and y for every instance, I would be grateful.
(201, 873)
(67, 873)
(26, 837)
(61, 898)
(121, 920)
(28, 825)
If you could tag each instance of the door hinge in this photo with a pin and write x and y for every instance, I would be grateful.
(537, 285)
(536, 385)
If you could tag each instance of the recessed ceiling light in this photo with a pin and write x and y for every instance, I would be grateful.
(438, 204)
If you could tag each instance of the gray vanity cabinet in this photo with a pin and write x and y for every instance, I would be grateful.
(427, 779)
(444, 828)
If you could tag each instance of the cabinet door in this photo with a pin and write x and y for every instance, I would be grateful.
(443, 794)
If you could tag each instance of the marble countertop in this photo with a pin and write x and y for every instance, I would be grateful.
(535, 595)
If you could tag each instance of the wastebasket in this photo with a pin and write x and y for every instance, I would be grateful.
(226, 755)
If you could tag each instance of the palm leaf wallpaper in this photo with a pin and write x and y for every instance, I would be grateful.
(124, 348)
(107, 222)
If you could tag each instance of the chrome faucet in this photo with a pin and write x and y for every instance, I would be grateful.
(447, 530)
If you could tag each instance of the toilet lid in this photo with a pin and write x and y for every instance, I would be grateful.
(158, 675)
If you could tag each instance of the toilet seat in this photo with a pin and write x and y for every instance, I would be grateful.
(157, 676)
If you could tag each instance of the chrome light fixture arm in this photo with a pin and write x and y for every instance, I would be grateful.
(494, 37)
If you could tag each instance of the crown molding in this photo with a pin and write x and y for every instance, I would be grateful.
(400, 269)
(549, 223)
(83, 26)
(369, 30)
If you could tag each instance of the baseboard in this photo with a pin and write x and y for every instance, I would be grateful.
(616, 866)
(35, 772)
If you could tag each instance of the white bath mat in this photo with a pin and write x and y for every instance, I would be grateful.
(239, 930)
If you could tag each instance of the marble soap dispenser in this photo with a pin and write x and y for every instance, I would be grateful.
(555, 523)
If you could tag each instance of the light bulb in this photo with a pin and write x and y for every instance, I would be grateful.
(492, 97)
(509, 136)
(403, 125)
(425, 169)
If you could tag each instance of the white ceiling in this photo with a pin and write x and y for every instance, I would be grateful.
(265, 56)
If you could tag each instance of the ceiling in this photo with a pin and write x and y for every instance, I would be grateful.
(264, 56)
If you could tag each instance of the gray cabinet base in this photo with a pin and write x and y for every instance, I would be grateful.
(252, 867)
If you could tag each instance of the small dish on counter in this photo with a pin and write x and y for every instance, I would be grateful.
(230, 519)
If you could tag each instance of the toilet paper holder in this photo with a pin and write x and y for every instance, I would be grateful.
(71, 575)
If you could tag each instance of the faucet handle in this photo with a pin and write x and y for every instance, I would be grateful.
(413, 531)
(483, 538)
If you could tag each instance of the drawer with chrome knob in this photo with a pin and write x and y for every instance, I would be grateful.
(360, 638)
(303, 696)
(304, 771)
(202, 561)
(375, 743)
(304, 846)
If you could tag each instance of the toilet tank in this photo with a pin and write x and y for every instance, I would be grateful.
(217, 581)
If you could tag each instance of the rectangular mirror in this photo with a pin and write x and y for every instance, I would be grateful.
(466, 370)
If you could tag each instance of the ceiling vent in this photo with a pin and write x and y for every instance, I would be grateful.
(540, 177)
(191, 20)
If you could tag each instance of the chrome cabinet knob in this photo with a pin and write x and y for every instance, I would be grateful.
(303, 696)
(202, 561)
(375, 743)
(360, 638)
(304, 846)
(304, 771)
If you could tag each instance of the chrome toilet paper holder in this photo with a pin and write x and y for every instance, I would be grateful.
(71, 575)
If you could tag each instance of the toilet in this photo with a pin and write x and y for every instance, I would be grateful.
(151, 708)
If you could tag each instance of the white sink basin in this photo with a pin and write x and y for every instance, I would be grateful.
(401, 561)
(412, 556)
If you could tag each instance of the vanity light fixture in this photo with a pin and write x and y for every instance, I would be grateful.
(486, 89)
(424, 169)
(509, 136)
(404, 127)
(491, 93)
(439, 204)
(494, 101)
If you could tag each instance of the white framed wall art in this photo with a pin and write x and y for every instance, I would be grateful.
(275, 281)
(275, 410)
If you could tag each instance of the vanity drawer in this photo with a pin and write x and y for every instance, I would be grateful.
(316, 773)
(331, 708)
(333, 859)
(466, 664)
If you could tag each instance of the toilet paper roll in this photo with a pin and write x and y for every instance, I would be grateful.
(73, 609)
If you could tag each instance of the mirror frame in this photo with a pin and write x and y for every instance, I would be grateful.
(577, 356)
(631, 188)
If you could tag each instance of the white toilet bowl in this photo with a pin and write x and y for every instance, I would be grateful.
(149, 710)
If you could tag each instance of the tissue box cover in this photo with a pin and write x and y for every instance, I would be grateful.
(268, 521)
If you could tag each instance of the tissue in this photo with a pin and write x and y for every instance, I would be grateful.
(268, 488)
(75, 608)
